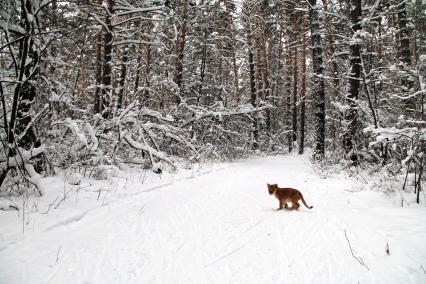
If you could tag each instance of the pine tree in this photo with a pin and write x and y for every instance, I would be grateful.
(351, 114)
(318, 84)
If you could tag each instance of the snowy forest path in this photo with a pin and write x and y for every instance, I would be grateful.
(222, 227)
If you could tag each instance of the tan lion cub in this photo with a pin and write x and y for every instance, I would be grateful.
(285, 195)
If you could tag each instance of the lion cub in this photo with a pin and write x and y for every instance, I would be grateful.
(285, 195)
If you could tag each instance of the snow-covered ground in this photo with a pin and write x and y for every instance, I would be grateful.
(213, 225)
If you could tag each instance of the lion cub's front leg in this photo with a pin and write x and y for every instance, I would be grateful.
(281, 204)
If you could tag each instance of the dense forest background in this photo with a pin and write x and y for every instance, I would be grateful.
(88, 85)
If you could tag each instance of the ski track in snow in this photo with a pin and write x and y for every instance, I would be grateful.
(222, 227)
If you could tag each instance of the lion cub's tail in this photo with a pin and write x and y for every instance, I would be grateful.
(304, 203)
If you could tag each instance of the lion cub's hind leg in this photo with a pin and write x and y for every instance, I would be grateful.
(295, 205)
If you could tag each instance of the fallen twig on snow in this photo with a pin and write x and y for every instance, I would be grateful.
(424, 271)
(57, 255)
(359, 259)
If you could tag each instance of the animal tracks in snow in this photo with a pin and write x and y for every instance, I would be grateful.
(221, 227)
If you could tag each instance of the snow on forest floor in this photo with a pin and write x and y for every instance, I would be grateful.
(216, 224)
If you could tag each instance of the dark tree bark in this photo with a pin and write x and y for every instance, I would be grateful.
(332, 49)
(180, 49)
(263, 64)
(351, 115)
(233, 50)
(404, 38)
(20, 132)
(98, 74)
(278, 91)
(318, 95)
(404, 54)
(258, 65)
(203, 67)
(334, 92)
(266, 77)
(107, 89)
(123, 72)
(252, 75)
(146, 92)
(302, 88)
(137, 76)
(26, 91)
(289, 72)
(53, 49)
(294, 101)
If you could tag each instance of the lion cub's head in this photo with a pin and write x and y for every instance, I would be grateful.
(272, 188)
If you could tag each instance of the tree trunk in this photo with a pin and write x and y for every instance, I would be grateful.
(20, 132)
(351, 115)
(122, 80)
(302, 88)
(289, 64)
(233, 50)
(180, 49)
(137, 77)
(220, 73)
(259, 80)
(266, 79)
(404, 38)
(148, 66)
(294, 101)
(98, 74)
(405, 56)
(53, 48)
(252, 75)
(318, 95)
(278, 94)
(27, 91)
(203, 67)
(331, 30)
(107, 89)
